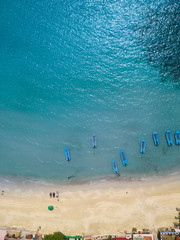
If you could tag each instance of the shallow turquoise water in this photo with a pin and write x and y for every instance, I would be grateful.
(72, 68)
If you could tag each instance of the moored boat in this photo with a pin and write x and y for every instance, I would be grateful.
(156, 138)
(123, 158)
(115, 167)
(143, 146)
(169, 138)
(177, 137)
(94, 140)
(67, 153)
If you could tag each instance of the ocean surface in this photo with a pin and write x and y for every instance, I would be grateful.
(71, 68)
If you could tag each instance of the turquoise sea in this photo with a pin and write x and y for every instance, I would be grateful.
(71, 68)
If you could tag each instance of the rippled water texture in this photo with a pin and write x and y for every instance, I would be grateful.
(72, 68)
(159, 35)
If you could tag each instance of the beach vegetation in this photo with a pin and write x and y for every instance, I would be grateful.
(110, 237)
(55, 236)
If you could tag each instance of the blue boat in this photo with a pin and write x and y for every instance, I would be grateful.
(156, 139)
(123, 158)
(94, 140)
(169, 138)
(143, 146)
(115, 167)
(67, 154)
(177, 137)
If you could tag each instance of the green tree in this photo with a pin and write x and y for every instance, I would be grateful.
(110, 237)
(55, 236)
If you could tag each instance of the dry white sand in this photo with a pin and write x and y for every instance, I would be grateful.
(98, 208)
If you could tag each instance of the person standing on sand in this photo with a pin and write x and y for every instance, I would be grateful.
(57, 194)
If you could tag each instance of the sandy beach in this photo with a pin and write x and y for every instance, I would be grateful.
(92, 208)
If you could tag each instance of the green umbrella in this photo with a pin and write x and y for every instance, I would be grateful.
(50, 207)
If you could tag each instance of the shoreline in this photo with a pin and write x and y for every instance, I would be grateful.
(94, 207)
(11, 182)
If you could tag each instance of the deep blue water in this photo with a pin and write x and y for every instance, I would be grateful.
(72, 68)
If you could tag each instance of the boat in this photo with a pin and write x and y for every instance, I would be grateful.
(123, 158)
(169, 138)
(156, 139)
(177, 137)
(67, 154)
(94, 140)
(115, 167)
(143, 146)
